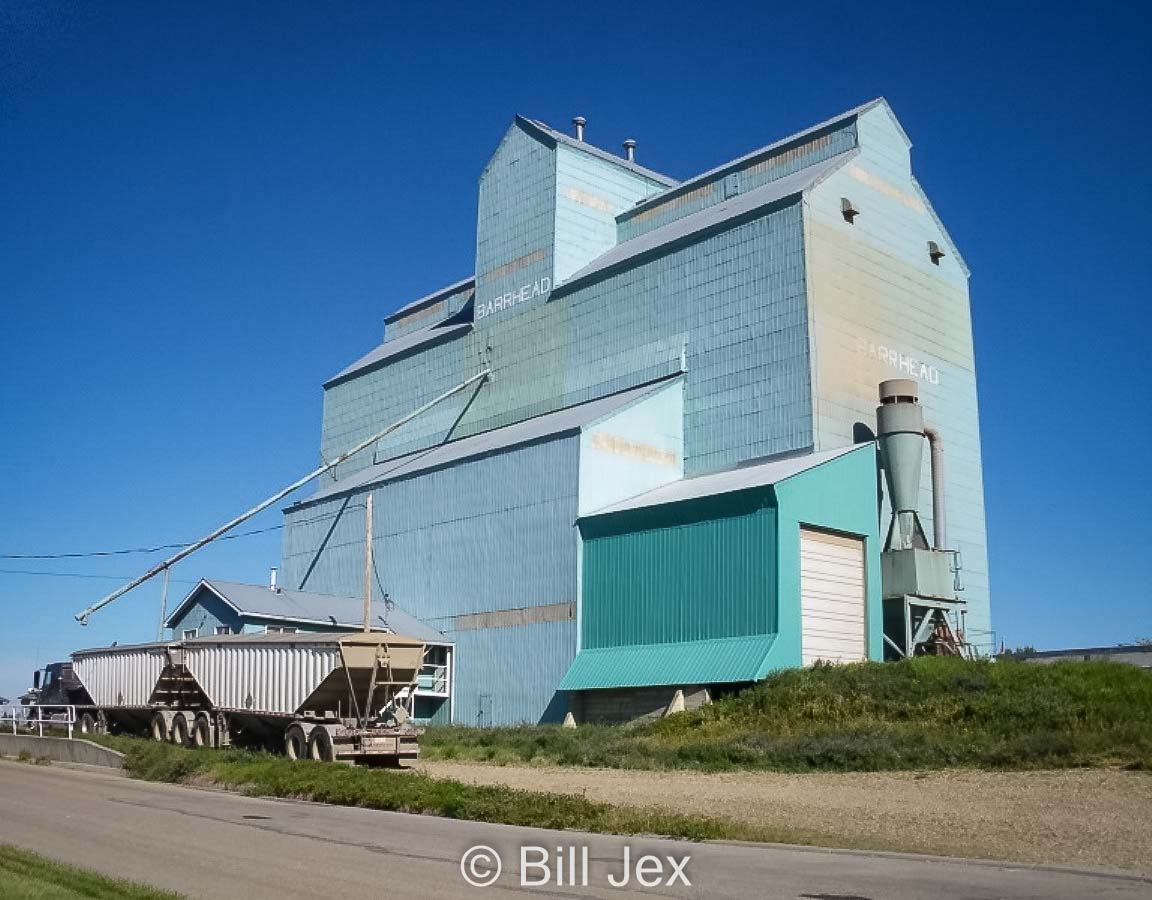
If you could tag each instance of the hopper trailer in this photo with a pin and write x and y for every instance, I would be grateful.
(343, 697)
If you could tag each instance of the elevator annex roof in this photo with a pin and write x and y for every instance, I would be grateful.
(729, 481)
(571, 418)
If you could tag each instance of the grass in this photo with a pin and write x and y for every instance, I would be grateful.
(29, 876)
(266, 775)
(917, 714)
(927, 713)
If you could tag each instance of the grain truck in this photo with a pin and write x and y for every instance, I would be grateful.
(337, 697)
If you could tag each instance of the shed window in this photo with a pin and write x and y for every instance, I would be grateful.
(279, 629)
(223, 629)
(190, 633)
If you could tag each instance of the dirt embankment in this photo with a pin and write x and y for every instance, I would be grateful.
(1087, 818)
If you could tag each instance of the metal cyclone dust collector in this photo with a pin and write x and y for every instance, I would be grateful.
(922, 612)
(900, 435)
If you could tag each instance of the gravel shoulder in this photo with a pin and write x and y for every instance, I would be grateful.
(1084, 818)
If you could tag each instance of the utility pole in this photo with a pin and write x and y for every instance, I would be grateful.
(368, 561)
(163, 604)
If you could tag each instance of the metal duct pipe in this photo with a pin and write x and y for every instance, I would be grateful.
(578, 123)
(939, 520)
(630, 150)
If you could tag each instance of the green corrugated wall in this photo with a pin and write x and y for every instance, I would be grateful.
(680, 572)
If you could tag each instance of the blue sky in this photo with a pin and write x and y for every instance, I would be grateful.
(207, 209)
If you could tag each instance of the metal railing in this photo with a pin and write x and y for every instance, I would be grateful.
(433, 679)
(35, 716)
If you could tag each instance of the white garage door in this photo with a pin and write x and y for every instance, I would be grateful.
(831, 597)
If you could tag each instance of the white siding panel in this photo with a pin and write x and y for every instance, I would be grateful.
(831, 597)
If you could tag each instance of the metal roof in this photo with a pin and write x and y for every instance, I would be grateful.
(430, 298)
(716, 661)
(748, 157)
(743, 478)
(571, 418)
(285, 605)
(561, 138)
(712, 216)
(420, 338)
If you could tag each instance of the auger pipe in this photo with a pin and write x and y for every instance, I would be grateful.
(82, 617)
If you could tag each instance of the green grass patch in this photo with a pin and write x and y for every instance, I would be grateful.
(927, 713)
(29, 876)
(266, 775)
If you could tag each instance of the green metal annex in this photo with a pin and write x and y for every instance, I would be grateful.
(717, 580)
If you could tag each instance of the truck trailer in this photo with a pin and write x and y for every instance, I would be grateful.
(328, 696)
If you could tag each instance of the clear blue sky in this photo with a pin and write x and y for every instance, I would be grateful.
(207, 209)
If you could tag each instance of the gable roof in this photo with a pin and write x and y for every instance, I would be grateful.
(421, 337)
(285, 605)
(712, 216)
(540, 130)
(741, 161)
(729, 481)
(429, 299)
(571, 418)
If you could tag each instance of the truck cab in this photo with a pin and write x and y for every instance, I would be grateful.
(56, 685)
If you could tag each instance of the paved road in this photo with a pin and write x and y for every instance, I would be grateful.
(215, 845)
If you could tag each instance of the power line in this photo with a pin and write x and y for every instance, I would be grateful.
(84, 575)
(156, 549)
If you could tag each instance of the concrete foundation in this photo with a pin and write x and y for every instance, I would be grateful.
(60, 749)
(615, 706)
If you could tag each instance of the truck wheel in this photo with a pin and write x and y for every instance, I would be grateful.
(202, 731)
(86, 724)
(159, 728)
(320, 745)
(295, 742)
(181, 733)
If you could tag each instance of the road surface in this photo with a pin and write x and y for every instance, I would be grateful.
(217, 845)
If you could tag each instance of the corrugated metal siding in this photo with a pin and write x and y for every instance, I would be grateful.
(684, 572)
(485, 534)
(278, 677)
(510, 675)
(730, 305)
(120, 677)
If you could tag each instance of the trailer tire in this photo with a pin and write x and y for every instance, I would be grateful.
(202, 731)
(159, 728)
(86, 724)
(181, 733)
(320, 745)
(295, 742)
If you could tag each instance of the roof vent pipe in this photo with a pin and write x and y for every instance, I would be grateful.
(272, 579)
(578, 123)
(630, 150)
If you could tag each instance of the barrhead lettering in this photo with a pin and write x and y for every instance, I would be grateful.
(526, 292)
